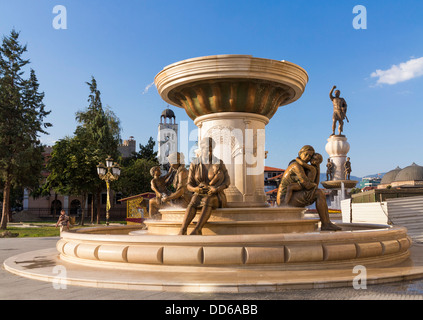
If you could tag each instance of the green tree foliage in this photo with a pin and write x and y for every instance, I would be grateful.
(135, 176)
(72, 168)
(74, 159)
(99, 127)
(22, 114)
(355, 190)
(146, 152)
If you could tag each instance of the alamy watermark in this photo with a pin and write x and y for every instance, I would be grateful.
(232, 145)
(59, 281)
(360, 20)
(60, 21)
(360, 280)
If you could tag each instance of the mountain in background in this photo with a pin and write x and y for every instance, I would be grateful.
(380, 175)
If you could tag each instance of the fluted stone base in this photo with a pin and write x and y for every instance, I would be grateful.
(127, 258)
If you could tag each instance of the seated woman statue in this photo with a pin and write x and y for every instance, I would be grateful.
(207, 179)
(308, 192)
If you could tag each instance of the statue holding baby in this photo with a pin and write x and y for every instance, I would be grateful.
(299, 186)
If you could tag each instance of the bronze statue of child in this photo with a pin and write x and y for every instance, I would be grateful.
(216, 176)
(159, 186)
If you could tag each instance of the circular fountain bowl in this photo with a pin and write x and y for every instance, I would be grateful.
(121, 247)
(231, 83)
(109, 257)
(337, 184)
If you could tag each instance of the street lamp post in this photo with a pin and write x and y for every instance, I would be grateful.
(109, 172)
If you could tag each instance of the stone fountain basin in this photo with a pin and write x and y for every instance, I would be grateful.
(126, 257)
(128, 247)
(231, 83)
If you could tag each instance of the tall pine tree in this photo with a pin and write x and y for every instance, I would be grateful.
(22, 114)
(74, 159)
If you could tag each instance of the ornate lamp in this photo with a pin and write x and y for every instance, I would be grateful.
(108, 172)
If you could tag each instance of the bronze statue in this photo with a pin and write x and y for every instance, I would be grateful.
(294, 182)
(339, 111)
(347, 169)
(159, 186)
(298, 169)
(329, 170)
(207, 179)
(182, 196)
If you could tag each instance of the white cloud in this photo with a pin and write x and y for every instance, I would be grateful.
(148, 88)
(404, 71)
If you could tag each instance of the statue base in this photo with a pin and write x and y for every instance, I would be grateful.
(337, 184)
(337, 148)
(231, 221)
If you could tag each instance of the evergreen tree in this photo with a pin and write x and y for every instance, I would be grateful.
(135, 175)
(73, 163)
(145, 152)
(22, 112)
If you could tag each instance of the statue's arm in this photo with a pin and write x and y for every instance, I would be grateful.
(182, 184)
(168, 177)
(227, 181)
(299, 172)
(317, 180)
(192, 184)
(154, 188)
(331, 93)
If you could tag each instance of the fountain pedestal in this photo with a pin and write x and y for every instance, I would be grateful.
(338, 147)
(240, 142)
(237, 221)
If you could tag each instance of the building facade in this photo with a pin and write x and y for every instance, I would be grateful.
(50, 206)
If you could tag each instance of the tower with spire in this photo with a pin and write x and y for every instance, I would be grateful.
(167, 136)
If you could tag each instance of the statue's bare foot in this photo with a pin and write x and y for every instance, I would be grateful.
(330, 227)
(182, 232)
(196, 232)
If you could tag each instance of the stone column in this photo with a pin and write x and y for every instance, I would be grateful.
(240, 144)
(337, 147)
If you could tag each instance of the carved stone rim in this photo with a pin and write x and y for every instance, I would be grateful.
(338, 184)
(230, 67)
(231, 115)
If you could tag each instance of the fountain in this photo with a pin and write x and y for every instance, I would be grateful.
(247, 245)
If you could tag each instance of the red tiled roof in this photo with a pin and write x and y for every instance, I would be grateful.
(272, 169)
(368, 188)
(276, 177)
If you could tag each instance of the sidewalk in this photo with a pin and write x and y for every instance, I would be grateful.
(13, 287)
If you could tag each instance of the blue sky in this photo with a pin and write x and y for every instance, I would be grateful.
(124, 44)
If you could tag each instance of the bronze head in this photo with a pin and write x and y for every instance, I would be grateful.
(306, 153)
(155, 169)
(207, 145)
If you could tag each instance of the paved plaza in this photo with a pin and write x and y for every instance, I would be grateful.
(13, 287)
